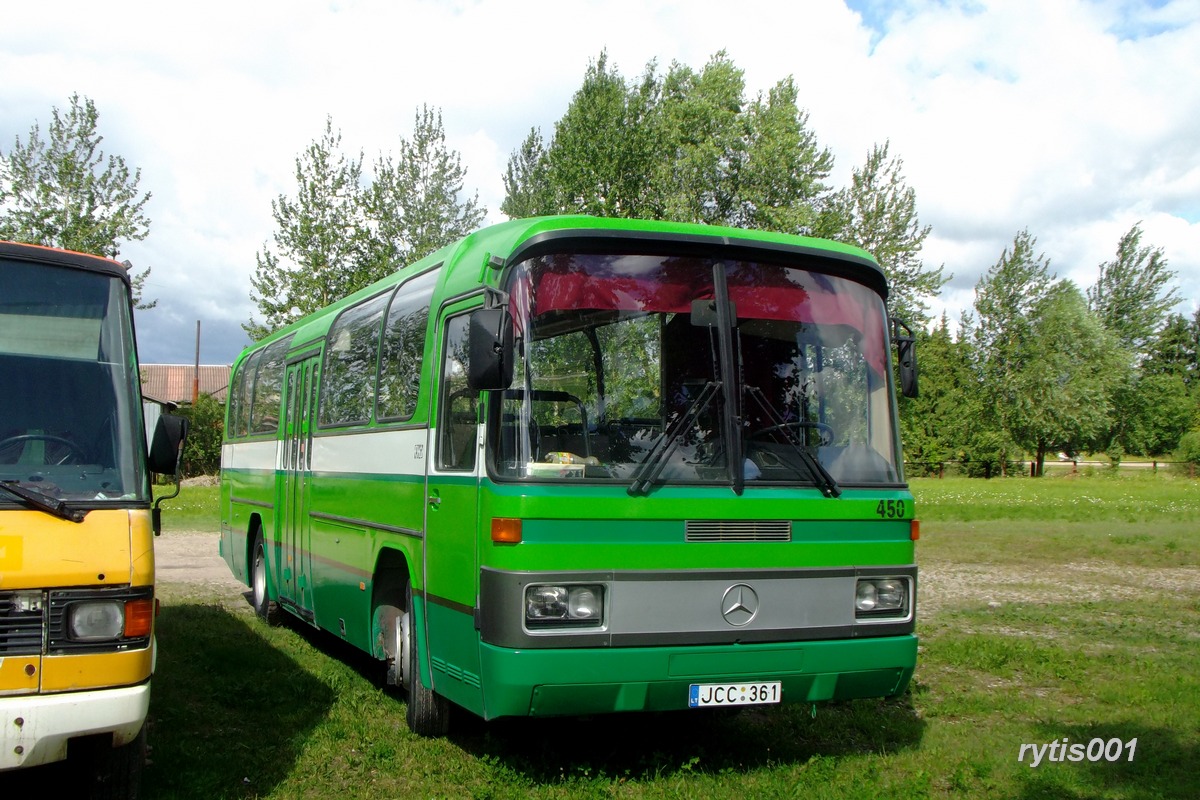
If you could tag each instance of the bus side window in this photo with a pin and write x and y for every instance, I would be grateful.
(457, 414)
(403, 348)
(245, 386)
(268, 389)
(351, 363)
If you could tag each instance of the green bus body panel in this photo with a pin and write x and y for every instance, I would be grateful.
(556, 682)
(623, 532)
(454, 656)
(244, 496)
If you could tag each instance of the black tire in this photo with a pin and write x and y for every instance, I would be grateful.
(260, 597)
(428, 712)
(112, 773)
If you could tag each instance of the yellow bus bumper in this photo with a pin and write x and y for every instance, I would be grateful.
(35, 729)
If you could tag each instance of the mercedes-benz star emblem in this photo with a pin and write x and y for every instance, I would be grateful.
(739, 605)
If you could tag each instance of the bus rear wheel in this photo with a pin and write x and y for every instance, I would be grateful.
(264, 606)
(428, 712)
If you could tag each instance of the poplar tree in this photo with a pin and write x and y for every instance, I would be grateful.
(319, 244)
(685, 146)
(341, 232)
(1133, 293)
(63, 191)
(878, 212)
(414, 204)
(1046, 365)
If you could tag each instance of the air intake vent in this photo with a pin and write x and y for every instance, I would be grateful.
(739, 530)
(20, 630)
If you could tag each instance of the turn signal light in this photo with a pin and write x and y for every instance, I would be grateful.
(139, 618)
(506, 530)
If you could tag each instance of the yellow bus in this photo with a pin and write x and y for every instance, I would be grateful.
(77, 602)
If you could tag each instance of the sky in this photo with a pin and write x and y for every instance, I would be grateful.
(1073, 119)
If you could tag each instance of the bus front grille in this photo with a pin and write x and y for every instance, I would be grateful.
(738, 530)
(20, 628)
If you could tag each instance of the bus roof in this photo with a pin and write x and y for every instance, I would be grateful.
(478, 258)
(63, 258)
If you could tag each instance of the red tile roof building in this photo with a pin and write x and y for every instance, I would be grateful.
(173, 383)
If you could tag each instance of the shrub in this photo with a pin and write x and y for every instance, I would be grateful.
(202, 453)
(1189, 447)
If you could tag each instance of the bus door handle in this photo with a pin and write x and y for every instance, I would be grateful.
(434, 499)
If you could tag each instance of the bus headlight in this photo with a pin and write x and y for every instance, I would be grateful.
(96, 621)
(881, 596)
(569, 604)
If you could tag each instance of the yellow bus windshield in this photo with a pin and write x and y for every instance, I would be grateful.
(69, 413)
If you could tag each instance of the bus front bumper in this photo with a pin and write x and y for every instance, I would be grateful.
(552, 682)
(35, 729)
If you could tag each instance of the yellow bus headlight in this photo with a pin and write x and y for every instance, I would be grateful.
(96, 621)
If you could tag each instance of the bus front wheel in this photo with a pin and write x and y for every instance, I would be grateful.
(264, 606)
(428, 712)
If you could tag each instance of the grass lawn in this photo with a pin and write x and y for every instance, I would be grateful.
(1056, 609)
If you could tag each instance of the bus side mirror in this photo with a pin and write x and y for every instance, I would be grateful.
(906, 354)
(166, 449)
(490, 349)
(166, 458)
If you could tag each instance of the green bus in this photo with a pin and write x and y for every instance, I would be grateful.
(569, 465)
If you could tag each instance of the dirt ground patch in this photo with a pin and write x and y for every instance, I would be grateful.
(947, 585)
(192, 558)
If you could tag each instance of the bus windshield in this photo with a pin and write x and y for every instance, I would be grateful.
(621, 375)
(69, 414)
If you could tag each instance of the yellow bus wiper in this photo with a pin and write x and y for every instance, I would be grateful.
(43, 502)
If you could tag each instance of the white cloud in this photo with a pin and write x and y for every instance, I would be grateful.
(1072, 119)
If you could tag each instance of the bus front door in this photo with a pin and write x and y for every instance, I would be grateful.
(451, 522)
(301, 383)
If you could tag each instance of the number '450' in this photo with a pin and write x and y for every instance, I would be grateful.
(890, 509)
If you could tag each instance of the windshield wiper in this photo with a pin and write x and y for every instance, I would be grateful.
(821, 477)
(43, 502)
(654, 462)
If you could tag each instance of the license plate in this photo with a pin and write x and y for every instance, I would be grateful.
(701, 695)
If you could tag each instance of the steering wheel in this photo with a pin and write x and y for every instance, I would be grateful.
(73, 454)
(825, 431)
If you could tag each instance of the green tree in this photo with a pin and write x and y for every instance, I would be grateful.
(339, 234)
(319, 245)
(784, 171)
(936, 425)
(687, 146)
(1153, 412)
(1133, 293)
(702, 134)
(1176, 350)
(1132, 297)
(878, 212)
(65, 192)
(602, 156)
(527, 191)
(414, 204)
(1046, 364)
